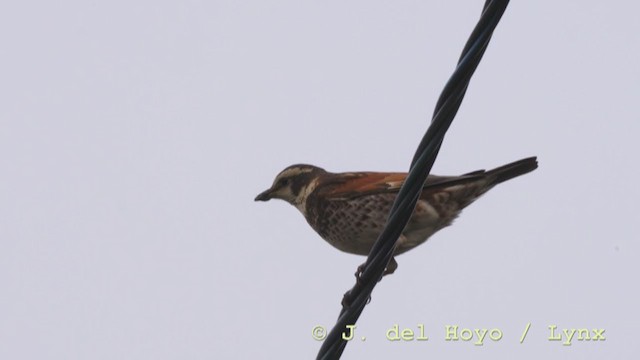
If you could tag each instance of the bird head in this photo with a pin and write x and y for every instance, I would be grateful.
(293, 185)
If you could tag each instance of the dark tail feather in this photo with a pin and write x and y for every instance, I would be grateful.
(514, 169)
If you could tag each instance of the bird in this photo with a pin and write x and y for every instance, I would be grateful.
(349, 210)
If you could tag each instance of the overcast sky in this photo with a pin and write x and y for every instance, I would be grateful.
(134, 136)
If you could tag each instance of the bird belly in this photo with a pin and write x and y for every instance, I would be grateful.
(353, 226)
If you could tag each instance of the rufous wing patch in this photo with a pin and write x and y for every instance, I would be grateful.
(364, 183)
(351, 185)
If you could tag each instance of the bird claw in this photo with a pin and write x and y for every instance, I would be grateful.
(358, 274)
(347, 300)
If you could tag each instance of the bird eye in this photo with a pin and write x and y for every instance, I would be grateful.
(284, 182)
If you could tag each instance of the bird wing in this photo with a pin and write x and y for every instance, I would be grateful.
(353, 185)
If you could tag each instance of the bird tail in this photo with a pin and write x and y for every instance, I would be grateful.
(511, 170)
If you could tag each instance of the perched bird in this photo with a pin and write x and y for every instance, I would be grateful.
(349, 210)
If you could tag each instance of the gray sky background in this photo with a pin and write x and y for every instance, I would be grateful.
(135, 134)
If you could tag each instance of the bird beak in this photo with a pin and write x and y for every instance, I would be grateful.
(264, 196)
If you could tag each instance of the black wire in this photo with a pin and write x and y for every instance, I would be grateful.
(446, 109)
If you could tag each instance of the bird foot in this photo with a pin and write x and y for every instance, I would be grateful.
(391, 267)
